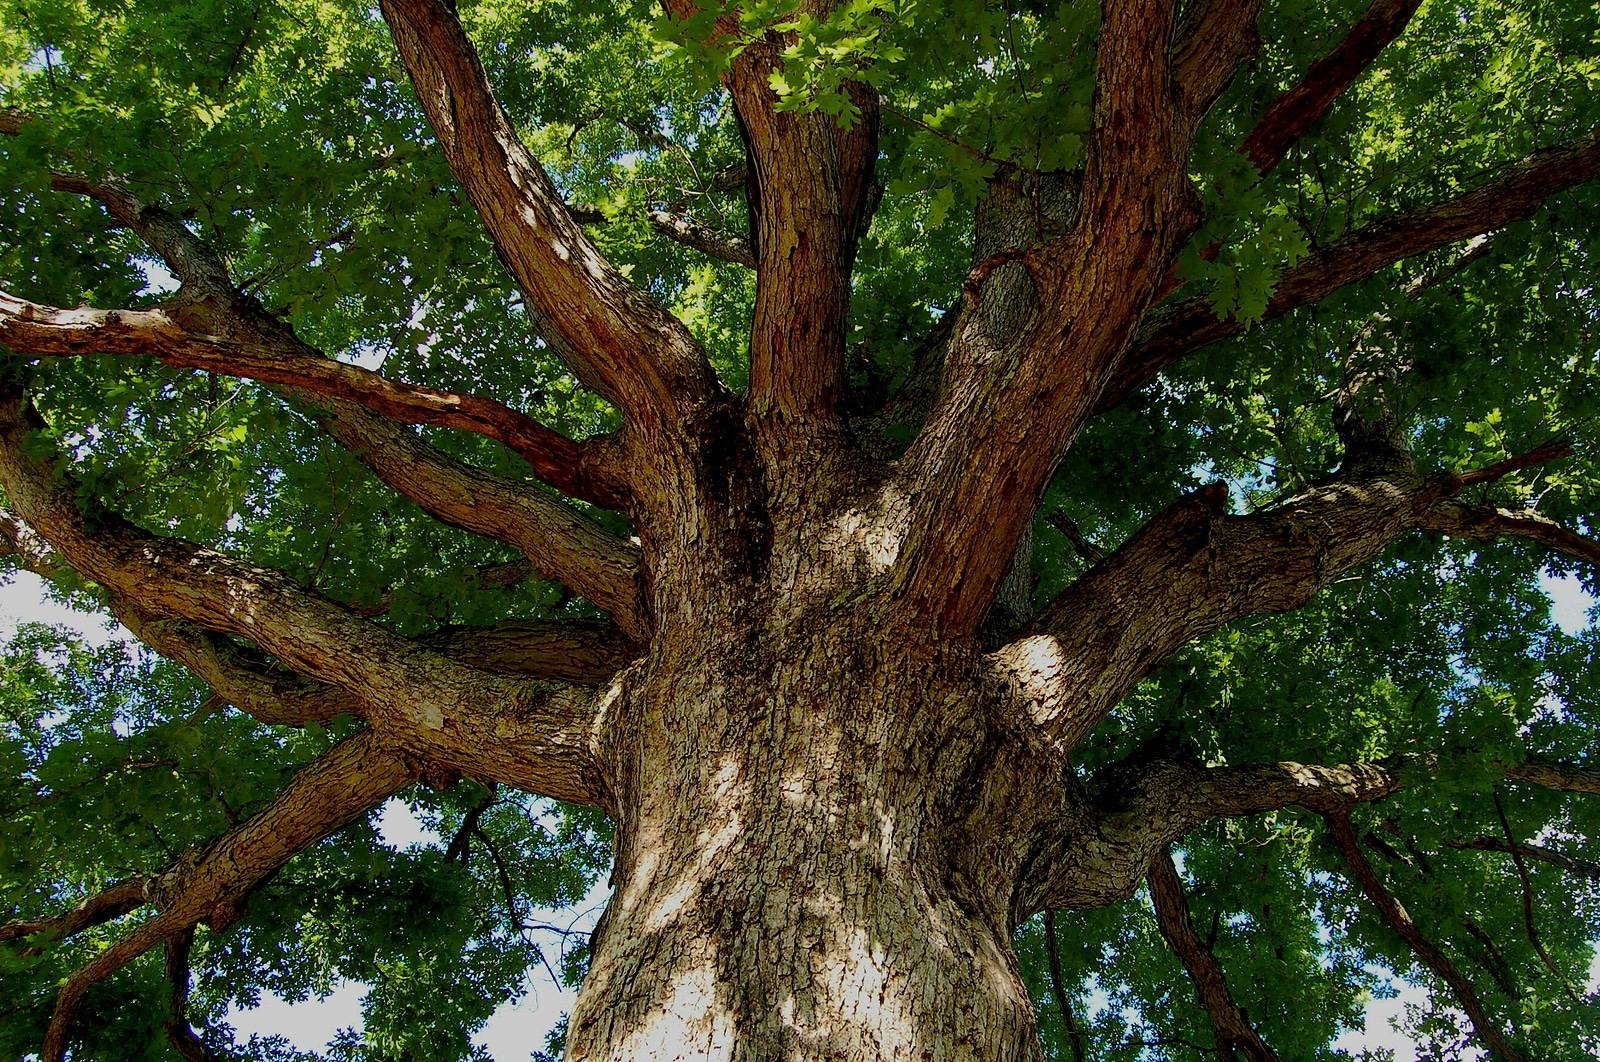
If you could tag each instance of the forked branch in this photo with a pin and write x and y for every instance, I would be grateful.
(1399, 920)
(1236, 1037)
(211, 886)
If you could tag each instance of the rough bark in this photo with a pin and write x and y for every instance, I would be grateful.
(1236, 1037)
(1293, 113)
(797, 871)
(833, 805)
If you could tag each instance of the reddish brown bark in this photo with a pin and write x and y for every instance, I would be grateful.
(834, 804)
(1302, 105)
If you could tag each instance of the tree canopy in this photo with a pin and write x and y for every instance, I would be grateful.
(1389, 254)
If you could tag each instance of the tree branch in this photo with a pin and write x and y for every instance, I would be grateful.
(808, 191)
(1213, 40)
(1529, 921)
(1553, 774)
(980, 465)
(1103, 843)
(681, 228)
(568, 650)
(1294, 112)
(1581, 867)
(1069, 1021)
(1236, 1037)
(565, 544)
(211, 886)
(179, 1031)
(274, 698)
(573, 650)
(1399, 920)
(1193, 568)
(1183, 327)
(615, 338)
(1188, 572)
(244, 680)
(177, 336)
(562, 543)
(1488, 522)
(456, 717)
(112, 903)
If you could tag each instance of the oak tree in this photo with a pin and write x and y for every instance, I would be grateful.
(972, 511)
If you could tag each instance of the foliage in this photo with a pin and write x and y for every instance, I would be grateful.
(286, 131)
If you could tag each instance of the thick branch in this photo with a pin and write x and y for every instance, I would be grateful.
(1188, 572)
(1193, 568)
(573, 650)
(1553, 774)
(616, 340)
(1299, 108)
(981, 463)
(1214, 39)
(1188, 325)
(173, 335)
(1399, 920)
(211, 886)
(177, 578)
(274, 696)
(569, 650)
(1236, 1037)
(808, 188)
(456, 717)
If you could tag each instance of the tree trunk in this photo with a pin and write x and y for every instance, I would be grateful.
(794, 874)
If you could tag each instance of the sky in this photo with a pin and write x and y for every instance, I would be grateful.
(511, 1035)
(519, 1027)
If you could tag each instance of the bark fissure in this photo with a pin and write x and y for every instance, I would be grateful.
(837, 746)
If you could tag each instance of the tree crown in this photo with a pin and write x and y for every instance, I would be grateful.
(1368, 267)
